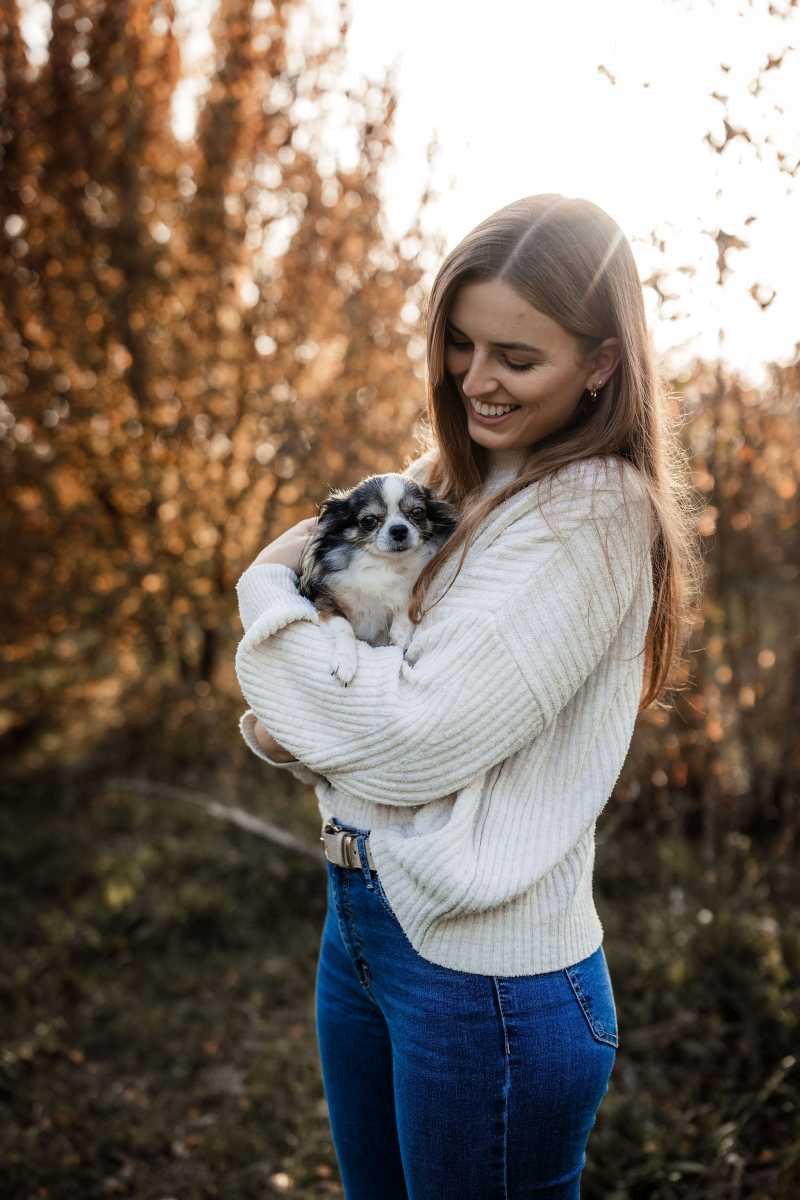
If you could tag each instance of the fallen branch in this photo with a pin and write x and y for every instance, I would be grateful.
(223, 812)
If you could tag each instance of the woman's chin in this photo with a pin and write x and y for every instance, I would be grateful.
(480, 432)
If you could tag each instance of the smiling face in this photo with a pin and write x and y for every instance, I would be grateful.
(542, 374)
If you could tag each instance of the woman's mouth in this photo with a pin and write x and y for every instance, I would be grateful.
(491, 414)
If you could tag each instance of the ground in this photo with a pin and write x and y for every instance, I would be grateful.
(157, 975)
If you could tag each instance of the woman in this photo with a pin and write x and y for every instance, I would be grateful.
(465, 1014)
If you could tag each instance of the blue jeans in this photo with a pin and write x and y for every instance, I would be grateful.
(449, 1084)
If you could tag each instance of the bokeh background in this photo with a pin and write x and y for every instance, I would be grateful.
(218, 224)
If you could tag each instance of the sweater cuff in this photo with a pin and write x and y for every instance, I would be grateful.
(272, 587)
(247, 723)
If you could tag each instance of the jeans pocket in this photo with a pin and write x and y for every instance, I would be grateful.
(590, 982)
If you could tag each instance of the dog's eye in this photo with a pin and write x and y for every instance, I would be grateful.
(418, 513)
(368, 522)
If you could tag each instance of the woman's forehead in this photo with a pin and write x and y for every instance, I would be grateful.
(493, 312)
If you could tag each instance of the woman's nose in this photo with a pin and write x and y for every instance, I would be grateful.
(478, 378)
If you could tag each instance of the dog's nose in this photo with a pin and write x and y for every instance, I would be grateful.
(398, 532)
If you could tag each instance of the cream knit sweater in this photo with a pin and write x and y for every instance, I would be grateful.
(482, 758)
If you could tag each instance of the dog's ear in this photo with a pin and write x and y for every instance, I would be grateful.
(443, 516)
(334, 508)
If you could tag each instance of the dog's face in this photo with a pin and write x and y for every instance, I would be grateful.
(384, 515)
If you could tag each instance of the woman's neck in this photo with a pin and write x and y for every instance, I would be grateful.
(504, 462)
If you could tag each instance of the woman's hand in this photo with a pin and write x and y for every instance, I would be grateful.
(268, 744)
(288, 548)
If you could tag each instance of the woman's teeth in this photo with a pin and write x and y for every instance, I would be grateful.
(492, 410)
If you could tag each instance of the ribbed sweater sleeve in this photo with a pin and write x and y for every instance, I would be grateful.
(479, 684)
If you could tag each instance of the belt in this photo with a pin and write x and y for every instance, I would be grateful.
(340, 846)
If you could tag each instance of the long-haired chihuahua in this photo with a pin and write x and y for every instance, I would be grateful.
(361, 562)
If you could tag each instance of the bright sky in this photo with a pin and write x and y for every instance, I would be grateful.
(512, 93)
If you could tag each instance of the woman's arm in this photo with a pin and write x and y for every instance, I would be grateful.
(482, 684)
(287, 549)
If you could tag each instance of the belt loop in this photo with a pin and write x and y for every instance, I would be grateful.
(361, 843)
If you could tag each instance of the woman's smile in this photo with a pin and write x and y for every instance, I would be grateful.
(490, 413)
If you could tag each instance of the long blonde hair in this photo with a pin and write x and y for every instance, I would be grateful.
(571, 261)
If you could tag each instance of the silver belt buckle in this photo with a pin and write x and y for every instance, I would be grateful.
(333, 839)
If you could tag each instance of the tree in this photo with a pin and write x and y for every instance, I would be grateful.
(196, 342)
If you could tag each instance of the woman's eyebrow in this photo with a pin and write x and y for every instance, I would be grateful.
(502, 345)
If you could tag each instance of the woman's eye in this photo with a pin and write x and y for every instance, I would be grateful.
(508, 363)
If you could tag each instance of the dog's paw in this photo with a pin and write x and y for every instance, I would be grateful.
(344, 666)
(344, 649)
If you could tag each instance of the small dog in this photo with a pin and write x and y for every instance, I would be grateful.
(358, 567)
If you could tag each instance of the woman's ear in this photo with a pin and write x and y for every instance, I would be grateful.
(606, 359)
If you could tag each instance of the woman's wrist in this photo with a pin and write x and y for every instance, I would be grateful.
(268, 744)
